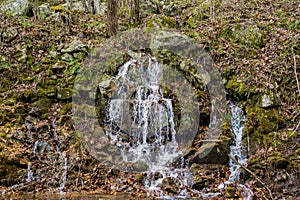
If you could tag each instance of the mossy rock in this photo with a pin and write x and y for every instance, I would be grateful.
(247, 34)
(64, 93)
(239, 89)
(65, 109)
(266, 100)
(231, 192)
(42, 106)
(278, 160)
(139, 177)
(47, 91)
(160, 21)
(263, 121)
(29, 96)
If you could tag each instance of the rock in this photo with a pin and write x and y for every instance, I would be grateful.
(199, 183)
(161, 21)
(11, 169)
(278, 160)
(76, 5)
(239, 89)
(67, 57)
(264, 120)
(149, 6)
(75, 46)
(171, 9)
(9, 34)
(15, 7)
(170, 185)
(139, 177)
(107, 87)
(269, 101)
(248, 34)
(211, 153)
(21, 53)
(100, 8)
(43, 11)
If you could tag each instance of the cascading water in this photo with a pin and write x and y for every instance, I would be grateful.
(152, 129)
(237, 151)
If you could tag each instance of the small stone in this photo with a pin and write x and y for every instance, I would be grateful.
(67, 57)
(43, 11)
(75, 46)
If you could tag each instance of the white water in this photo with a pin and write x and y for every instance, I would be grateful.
(151, 130)
(29, 173)
(237, 151)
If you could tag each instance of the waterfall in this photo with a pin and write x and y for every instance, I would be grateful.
(150, 135)
(236, 150)
(237, 121)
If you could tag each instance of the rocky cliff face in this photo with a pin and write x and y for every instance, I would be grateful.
(253, 44)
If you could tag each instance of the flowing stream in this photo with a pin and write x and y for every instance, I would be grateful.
(151, 128)
(237, 151)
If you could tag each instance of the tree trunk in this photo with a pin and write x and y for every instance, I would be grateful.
(112, 19)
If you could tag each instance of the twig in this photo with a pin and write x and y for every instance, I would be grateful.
(295, 71)
(250, 172)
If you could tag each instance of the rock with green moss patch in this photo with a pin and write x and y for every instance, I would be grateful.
(43, 11)
(262, 120)
(278, 160)
(161, 21)
(248, 34)
(239, 89)
(41, 106)
(75, 46)
(15, 7)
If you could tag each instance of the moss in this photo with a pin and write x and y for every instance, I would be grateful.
(161, 21)
(43, 105)
(278, 160)
(239, 89)
(10, 171)
(262, 120)
(231, 192)
(65, 109)
(139, 177)
(247, 34)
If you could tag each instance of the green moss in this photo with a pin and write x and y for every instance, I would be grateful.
(238, 89)
(43, 105)
(161, 21)
(65, 109)
(278, 160)
(247, 34)
(139, 177)
(262, 120)
(231, 192)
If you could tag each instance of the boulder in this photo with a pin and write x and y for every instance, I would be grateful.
(43, 11)
(15, 7)
(249, 34)
(75, 46)
(211, 153)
